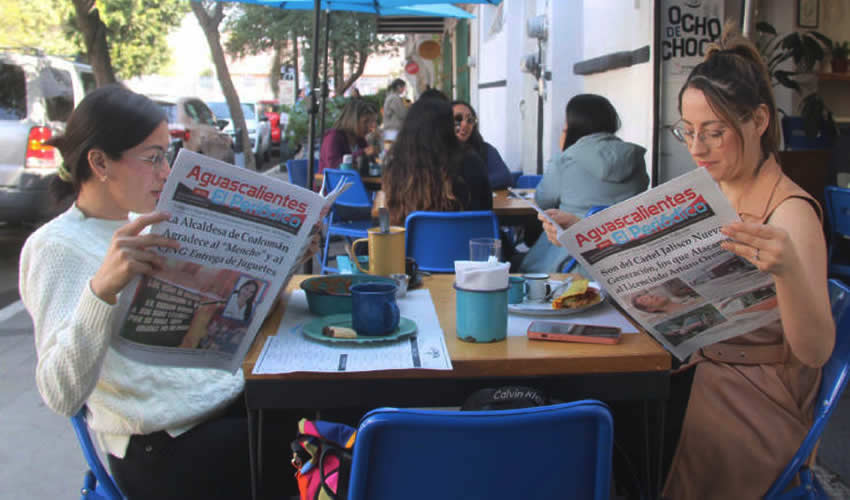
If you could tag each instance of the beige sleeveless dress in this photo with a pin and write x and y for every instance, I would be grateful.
(751, 401)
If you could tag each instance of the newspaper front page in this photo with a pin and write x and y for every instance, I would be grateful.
(240, 235)
(658, 254)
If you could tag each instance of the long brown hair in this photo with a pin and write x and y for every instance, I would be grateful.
(424, 162)
(734, 80)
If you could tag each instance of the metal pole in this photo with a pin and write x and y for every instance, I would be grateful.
(312, 107)
(325, 78)
(540, 90)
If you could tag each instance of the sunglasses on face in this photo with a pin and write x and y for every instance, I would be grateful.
(469, 119)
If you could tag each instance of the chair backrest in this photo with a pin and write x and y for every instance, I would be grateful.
(838, 210)
(835, 375)
(97, 483)
(354, 196)
(558, 451)
(437, 239)
(571, 262)
(297, 172)
(528, 181)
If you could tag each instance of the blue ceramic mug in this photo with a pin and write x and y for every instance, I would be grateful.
(516, 290)
(374, 312)
(481, 316)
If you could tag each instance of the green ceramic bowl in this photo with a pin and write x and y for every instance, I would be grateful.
(332, 294)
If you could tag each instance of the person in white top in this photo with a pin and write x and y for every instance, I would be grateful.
(168, 432)
(241, 303)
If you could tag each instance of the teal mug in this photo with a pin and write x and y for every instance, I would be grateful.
(374, 312)
(481, 316)
(516, 290)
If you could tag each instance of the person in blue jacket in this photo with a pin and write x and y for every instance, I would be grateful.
(595, 167)
(466, 129)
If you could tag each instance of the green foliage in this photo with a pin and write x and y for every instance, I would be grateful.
(841, 50)
(39, 24)
(297, 128)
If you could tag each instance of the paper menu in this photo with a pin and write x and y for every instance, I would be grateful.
(539, 210)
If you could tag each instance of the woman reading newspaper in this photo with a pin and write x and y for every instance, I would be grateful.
(752, 396)
(168, 432)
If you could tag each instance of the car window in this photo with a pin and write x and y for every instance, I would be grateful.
(170, 110)
(192, 111)
(205, 116)
(13, 92)
(220, 109)
(248, 111)
(58, 93)
(88, 80)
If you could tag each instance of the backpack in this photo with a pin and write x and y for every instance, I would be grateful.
(507, 397)
(321, 455)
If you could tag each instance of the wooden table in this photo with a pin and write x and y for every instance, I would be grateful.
(634, 370)
(371, 183)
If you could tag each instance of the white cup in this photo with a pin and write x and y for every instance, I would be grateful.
(536, 286)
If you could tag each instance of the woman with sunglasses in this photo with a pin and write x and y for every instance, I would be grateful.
(747, 414)
(595, 167)
(168, 432)
(466, 129)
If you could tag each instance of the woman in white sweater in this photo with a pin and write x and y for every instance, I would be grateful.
(169, 432)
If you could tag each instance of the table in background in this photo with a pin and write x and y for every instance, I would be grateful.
(636, 369)
(371, 183)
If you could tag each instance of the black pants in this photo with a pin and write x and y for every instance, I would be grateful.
(209, 461)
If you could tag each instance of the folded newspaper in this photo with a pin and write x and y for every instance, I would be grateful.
(241, 234)
(658, 255)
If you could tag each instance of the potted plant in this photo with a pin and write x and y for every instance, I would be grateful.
(806, 50)
(840, 51)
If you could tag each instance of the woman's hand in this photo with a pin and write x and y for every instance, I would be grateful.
(563, 219)
(767, 247)
(129, 255)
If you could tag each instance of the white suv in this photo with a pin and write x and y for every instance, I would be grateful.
(37, 94)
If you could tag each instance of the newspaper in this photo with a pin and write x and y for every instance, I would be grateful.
(658, 255)
(241, 234)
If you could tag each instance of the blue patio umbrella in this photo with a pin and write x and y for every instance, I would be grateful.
(379, 7)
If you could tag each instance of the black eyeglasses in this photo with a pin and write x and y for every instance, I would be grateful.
(469, 119)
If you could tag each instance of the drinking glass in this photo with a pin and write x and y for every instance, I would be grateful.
(484, 248)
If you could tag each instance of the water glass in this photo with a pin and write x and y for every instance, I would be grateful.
(484, 248)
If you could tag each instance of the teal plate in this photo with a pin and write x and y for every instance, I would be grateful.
(314, 328)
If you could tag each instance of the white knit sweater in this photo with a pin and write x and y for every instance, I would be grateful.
(76, 365)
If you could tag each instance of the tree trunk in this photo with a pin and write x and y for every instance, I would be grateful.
(361, 65)
(94, 36)
(209, 23)
(274, 72)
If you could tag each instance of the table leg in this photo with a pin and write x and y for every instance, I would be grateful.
(252, 451)
(659, 485)
(647, 452)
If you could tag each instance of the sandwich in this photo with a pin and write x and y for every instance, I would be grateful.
(579, 294)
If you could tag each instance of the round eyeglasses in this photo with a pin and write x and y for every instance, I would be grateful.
(157, 162)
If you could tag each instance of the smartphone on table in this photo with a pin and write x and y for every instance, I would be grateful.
(573, 332)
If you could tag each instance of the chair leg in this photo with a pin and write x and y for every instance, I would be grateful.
(327, 244)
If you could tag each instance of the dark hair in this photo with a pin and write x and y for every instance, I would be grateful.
(111, 118)
(424, 161)
(397, 84)
(589, 114)
(735, 82)
(433, 93)
(475, 141)
(249, 307)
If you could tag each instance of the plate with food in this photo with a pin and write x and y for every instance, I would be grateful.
(337, 328)
(580, 295)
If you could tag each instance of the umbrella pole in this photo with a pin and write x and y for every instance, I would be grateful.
(311, 111)
(325, 79)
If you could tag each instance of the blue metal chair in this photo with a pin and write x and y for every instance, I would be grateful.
(354, 197)
(835, 374)
(527, 181)
(297, 172)
(571, 262)
(543, 452)
(838, 219)
(97, 483)
(437, 239)
(515, 174)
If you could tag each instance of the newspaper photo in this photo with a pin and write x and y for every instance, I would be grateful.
(240, 235)
(658, 255)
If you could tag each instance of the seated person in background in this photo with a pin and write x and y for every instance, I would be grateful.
(594, 168)
(428, 168)
(466, 129)
(348, 135)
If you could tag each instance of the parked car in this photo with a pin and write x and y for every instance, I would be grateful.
(37, 94)
(193, 125)
(259, 130)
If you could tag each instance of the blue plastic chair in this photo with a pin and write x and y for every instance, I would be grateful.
(571, 262)
(515, 174)
(437, 239)
(97, 483)
(355, 196)
(527, 181)
(297, 172)
(835, 374)
(544, 452)
(838, 220)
